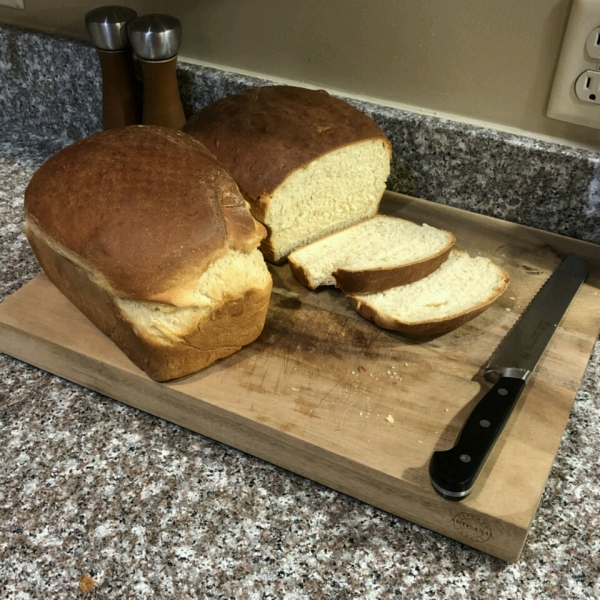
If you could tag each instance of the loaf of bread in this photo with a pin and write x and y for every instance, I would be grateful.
(148, 235)
(372, 256)
(309, 164)
(461, 289)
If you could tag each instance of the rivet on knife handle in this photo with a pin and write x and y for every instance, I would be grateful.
(453, 472)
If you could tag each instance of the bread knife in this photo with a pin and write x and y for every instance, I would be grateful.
(454, 472)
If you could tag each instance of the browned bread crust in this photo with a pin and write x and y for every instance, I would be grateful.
(139, 214)
(300, 274)
(261, 135)
(149, 207)
(377, 280)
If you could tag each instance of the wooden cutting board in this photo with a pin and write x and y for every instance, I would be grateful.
(328, 395)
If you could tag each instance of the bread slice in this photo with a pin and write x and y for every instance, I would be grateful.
(372, 256)
(309, 164)
(162, 257)
(461, 289)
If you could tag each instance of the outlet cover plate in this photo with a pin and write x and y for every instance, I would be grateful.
(564, 104)
(13, 3)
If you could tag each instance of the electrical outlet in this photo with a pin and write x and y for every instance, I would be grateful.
(587, 87)
(13, 3)
(592, 44)
(575, 95)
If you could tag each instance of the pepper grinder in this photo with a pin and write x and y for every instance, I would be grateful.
(156, 40)
(107, 28)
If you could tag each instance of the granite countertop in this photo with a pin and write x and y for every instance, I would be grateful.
(91, 487)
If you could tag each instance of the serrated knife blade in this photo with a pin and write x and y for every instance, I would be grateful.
(454, 472)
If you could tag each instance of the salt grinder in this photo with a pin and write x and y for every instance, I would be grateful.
(156, 40)
(107, 28)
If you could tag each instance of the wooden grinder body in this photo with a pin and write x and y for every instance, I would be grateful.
(162, 102)
(120, 103)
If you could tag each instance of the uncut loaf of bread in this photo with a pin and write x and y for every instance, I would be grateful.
(373, 255)
(309, 164)
(148, 235)
(461, 289)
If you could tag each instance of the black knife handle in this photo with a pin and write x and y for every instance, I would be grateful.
(453, 472)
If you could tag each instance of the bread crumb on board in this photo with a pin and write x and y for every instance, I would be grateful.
(86, 583)
(389, 419)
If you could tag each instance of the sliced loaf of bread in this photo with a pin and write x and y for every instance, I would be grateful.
(373, 255)
(461, 289)
(307, 163)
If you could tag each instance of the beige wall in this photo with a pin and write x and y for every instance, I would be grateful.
(485, 60)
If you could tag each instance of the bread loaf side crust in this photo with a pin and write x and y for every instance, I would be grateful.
(239, 321)
(263, 134)
(377, 280)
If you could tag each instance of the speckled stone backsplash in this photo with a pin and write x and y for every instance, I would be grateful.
(53, 85)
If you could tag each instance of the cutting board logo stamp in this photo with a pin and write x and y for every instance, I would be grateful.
(474, 528)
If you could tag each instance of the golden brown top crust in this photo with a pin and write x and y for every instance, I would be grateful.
(263, 134)
(149, 208)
